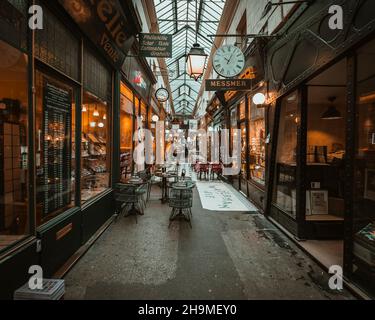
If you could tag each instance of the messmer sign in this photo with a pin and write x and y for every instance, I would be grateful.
(228, 85)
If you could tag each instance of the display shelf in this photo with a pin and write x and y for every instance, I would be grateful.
(325, 217)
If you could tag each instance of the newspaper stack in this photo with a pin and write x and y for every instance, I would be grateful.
(52, 290)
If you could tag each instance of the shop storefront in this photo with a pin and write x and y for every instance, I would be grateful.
(322, 138)
(249, 120)
(136, 110)
(58, 97)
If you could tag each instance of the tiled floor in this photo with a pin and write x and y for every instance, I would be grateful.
(226, 255)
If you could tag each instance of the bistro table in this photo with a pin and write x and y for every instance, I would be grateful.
(134, 182)
(165, 176)
(180, 187)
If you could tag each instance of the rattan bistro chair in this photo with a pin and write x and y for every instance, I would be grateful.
(127, 197)
(181, 202)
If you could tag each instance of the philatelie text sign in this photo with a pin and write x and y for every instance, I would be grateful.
(154, 45)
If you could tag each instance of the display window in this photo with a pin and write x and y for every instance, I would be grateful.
(126, 131)
(96, 127)
(243, 149)
(364, 184)
(14, 217)
(257, 141)
(95, 150)
(284, 192)
(54, 147)
(326, 145)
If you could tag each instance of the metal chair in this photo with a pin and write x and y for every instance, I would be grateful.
(181, 202)
(126, 196)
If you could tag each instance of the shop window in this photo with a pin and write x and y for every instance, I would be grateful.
(14, 218)
(126, 131)
(257, 144)
(54, 147)
(326, 115)
(96, 128)
(364, 184)
(95, 146)
(233, 125)
(243, 149)
(284, 195)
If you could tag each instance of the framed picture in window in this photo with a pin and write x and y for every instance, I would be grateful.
(319, 202)
(370, 184)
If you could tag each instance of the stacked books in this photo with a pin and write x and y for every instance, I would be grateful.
(52, 290)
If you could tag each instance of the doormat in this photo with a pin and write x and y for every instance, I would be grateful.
(219, 196)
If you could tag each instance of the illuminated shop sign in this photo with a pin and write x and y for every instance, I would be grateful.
(139, 80)
(104, 23)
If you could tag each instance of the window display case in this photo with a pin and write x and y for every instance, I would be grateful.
(284, 193)
(126, 131)
(95, 147)
(257, 145)
(14, 218)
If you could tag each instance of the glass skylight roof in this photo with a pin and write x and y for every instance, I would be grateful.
(178, 17)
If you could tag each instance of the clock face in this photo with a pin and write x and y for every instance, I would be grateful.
(162, 95)
(229, 61)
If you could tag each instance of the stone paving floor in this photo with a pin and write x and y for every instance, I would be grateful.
(225, 256)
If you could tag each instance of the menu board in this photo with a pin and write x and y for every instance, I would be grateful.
(56, 148)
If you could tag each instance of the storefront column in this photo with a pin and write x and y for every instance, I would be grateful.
(351, 135)
(31, 133)
(116, 128)
(301, 163)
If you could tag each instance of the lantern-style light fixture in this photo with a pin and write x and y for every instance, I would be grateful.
(196, 62)
(197, 58)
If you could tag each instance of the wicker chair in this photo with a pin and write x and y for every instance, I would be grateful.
(181, 201)
(127, 196)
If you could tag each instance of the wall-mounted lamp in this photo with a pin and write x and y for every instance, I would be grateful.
(259, 99)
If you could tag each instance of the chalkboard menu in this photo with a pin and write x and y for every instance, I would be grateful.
(57, 120)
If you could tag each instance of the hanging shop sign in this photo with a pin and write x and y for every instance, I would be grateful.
(154, 45)
(104, 23)
(162, 95)
(249, 74)
(225, 85)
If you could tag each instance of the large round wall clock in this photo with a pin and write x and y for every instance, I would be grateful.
(162, 95)
(229, 61)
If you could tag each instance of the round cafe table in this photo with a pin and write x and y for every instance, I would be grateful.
(165, 176)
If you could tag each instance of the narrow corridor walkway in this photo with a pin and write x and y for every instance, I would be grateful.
(225, 256)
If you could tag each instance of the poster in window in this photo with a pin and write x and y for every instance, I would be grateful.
(56, 148)
(370, 184)
(319, 202)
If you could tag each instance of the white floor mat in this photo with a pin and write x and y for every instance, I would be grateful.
(219, 196)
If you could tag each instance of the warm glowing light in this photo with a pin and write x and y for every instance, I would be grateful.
(155, 118)
(96, 113)
(259, 99)
(93, 124)
(84, 108)
(101, 125)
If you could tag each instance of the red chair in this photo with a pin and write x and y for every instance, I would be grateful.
(216, 169)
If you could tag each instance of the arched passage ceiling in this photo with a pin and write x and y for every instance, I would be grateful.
(178, 17)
